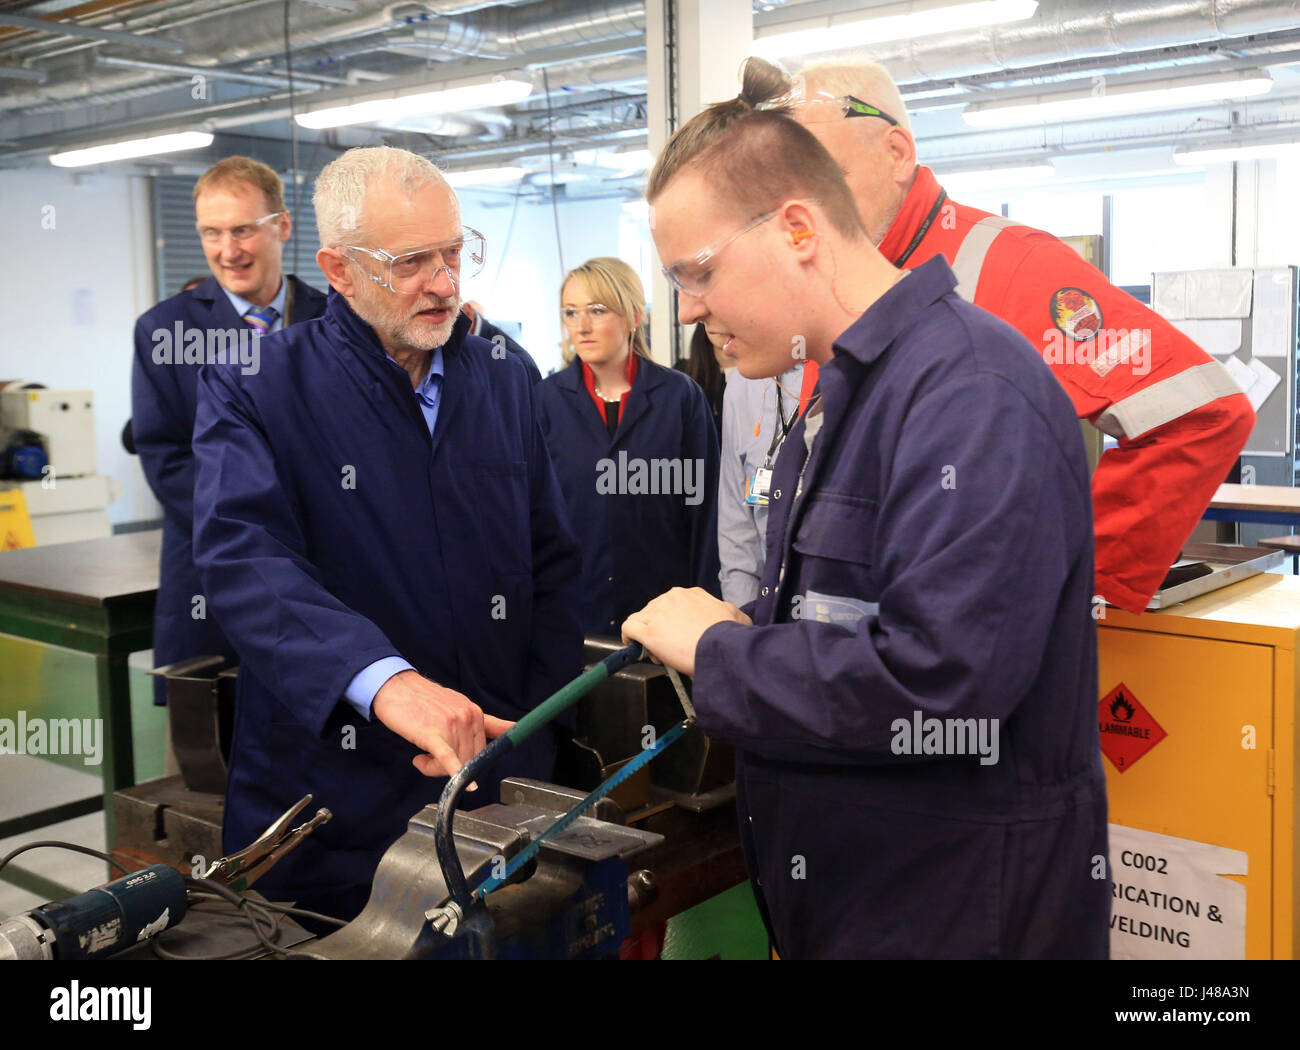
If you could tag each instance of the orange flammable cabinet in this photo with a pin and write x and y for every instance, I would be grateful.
(1219, 675)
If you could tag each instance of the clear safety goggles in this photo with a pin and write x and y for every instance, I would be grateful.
(410, 271)
(694, 275)
(245, 232)
(593, 312)
(823, 107)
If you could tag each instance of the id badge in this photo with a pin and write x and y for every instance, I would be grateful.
(757, 487)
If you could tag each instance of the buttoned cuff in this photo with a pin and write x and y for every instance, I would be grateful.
(361, 691)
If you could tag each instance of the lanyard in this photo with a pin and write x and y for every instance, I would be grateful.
(925, 228)
(781, 429)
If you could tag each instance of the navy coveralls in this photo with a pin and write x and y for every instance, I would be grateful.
(635, 545)
(331, 531)
(931, 556)
(162, 421)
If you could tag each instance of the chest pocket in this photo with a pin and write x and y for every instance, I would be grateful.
(834, 541)
(501, 493)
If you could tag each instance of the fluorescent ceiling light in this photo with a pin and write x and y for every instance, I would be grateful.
(499, 91)
(895, 22)
(484, 176)
(77, 158)
(1120, 98)
(944, 92)
(1200, 156)
(995, 178)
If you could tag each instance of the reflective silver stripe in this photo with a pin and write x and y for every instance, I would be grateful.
(970, 256)
(1167, 400)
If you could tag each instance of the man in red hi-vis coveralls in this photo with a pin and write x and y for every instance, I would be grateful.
(1179, 418)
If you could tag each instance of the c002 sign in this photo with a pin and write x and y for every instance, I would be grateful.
(1145, 861)
(1170, 901)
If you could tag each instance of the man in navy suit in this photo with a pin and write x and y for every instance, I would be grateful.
(242, 223)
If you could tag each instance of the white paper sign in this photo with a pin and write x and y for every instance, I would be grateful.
(1214, 337)
(1219, 293)
(1256, 379)
(1169, 901)
(1266, 380)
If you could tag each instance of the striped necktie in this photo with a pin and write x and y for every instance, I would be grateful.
(261, 318)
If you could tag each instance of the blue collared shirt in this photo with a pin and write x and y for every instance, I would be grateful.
(361, 691)
(242, 305)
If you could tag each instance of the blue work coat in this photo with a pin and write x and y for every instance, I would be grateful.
(635, 544)
(331, 531)
(930, 559)
(163, 396)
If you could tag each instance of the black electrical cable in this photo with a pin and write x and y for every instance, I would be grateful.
(251, 910)
(293, 138)
(55, 844)
(205, 888)
(289, 909)
(550, 157)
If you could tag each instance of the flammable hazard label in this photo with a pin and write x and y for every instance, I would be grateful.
(1128, 731)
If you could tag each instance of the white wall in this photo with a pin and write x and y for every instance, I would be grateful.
(1165, 228)
(1179, 223)
(1277, 211)
(524, 284)
(77, 272)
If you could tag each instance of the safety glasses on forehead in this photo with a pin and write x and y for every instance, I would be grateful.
(409, 271)
(821, 107)
(694, 275)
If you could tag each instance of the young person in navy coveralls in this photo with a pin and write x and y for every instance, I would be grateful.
(929, 565)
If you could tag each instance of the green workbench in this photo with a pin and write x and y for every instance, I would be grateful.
(95, 597)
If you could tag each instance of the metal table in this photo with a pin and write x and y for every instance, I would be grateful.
(97, 597)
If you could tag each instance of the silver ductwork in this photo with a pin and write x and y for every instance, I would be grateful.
(508, 32)
(250, 42)
(456, 28)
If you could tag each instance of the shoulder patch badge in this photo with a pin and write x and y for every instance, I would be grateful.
(1075, 313)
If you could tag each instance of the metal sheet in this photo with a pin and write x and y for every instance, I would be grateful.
(1230, 565)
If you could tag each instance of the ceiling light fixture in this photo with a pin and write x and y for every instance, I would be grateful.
(1105, 99)
(497, 91)
(1201, 156)
(977, 179)
(895, 22)
(181, 140)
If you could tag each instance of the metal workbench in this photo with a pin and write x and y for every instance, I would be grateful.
(96, 597)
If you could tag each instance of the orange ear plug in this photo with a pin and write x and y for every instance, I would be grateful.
(799, 236)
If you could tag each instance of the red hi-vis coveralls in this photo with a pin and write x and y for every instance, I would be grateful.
(1179, 418)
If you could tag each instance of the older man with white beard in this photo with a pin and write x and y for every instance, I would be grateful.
(380, 532)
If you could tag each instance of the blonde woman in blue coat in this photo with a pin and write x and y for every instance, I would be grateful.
(635, 449)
